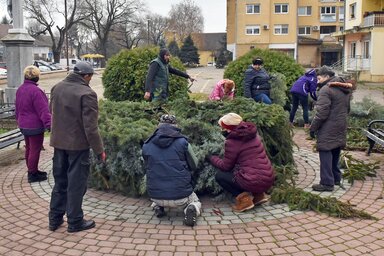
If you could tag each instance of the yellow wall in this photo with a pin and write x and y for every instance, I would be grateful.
(372, 5)
(308, 56)
(205, 57)
(377, 63)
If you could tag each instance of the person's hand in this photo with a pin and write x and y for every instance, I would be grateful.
(147, 95)
(101, 158)
(312, 134)
(192, 79)
(48, 129)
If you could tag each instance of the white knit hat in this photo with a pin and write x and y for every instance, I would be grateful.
(230, 121)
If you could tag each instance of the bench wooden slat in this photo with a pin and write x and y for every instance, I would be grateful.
(9, 133)
(11, 140)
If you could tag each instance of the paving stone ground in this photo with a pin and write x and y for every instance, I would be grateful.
(126, 226)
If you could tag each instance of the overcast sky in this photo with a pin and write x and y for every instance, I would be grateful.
(214, 11)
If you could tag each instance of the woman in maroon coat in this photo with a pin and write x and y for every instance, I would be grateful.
(245, 171)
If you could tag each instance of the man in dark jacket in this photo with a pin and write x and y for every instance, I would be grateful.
(157, 81)
(169, 160)
(74, 131)
(256, 82)
(330, 124)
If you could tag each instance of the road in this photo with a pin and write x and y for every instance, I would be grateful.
(206, 78)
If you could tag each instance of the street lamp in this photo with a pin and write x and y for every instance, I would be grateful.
(66, 34)
(148, 20)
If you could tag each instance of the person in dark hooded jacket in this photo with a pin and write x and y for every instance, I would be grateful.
(306, 84)
(157, 81)
(245, 171)
(169, 161)
(330, 125)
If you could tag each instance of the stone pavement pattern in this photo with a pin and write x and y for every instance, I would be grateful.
(126, 226)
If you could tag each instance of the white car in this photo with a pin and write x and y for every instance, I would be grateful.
(3, 72)
(44, 68)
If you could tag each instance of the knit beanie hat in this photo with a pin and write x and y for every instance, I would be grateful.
(168, 119)
(163, 51)
(31, 72)
(230, 121)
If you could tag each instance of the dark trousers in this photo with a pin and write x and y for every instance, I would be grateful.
(227, 182)
(33, 145)
(303, 100)
(329, 167)
(70, 171)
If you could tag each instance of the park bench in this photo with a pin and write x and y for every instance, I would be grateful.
(375, 134)
(13, 136)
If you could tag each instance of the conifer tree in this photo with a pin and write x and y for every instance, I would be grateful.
(223, 56)
(174, 48)
(188, 52)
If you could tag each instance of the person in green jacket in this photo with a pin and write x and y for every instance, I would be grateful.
(156, 83)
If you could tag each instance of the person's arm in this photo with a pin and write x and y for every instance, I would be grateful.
(153, 69)
(191, 158)
(229, 160)
(40, 104)
(322, 109)
(312, 87)
(180, 73)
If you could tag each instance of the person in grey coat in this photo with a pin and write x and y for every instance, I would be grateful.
(330, 125)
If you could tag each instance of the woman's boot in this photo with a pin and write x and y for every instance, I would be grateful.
(259, 198)
(243, 202)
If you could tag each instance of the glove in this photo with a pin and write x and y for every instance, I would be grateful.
(312, 134)
(192, 79)
(101, 158)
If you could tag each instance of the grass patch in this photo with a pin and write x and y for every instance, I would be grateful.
(198, 96)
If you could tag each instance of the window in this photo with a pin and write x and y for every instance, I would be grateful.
(341, 13)
(328, 10)
(328, 14)
(305, 11)
(281, 8)
(253, 8)
(252, 30)
(366, 50)
(353, 50)
(341, 29)
(327, 29)
(305, 30)
(281, 29)
(352, 10)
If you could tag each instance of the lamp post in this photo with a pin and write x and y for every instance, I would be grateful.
(148, 21)
(66, 34)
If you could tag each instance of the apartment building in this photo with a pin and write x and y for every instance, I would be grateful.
(299, 28)
(363, 38)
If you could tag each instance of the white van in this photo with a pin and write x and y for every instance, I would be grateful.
(72, 63)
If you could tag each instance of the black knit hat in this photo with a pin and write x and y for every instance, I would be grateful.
(168, 119)
(163, 51)
(257, 61)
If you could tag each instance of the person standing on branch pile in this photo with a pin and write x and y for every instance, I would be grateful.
(245, 171)
(330, 124)
(74, 131)
(157, 81)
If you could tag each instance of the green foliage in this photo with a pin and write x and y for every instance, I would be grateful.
(274, 63)
(278, 89)
(124, 76)
(174, 48)
(355, 169)
(223, 56)
(188, 52)
(124, 126)
(298, 199)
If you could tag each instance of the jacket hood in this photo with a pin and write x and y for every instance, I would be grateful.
(339, 79)
(165, 135)
(244, 131)
(311, 73)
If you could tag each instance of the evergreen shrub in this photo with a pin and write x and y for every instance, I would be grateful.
(124, 126)
(125, 74)
(274, 63)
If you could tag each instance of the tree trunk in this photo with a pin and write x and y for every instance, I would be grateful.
(56, 56)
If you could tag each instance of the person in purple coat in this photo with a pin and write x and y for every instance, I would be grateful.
(305, 85)
(33, 118)
(245, 171)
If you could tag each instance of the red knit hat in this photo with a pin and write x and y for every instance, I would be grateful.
(230, 121)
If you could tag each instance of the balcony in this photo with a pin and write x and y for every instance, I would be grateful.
(373, 19)
(327, 17)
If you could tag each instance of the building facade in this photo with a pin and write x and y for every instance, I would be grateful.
(299, 28)
(363, 38)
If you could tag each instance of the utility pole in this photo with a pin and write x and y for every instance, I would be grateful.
(66, 34)
(18, 45)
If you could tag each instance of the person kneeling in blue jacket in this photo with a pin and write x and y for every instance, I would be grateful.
(169, 162)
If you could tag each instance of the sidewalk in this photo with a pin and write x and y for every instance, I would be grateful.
(126, 226)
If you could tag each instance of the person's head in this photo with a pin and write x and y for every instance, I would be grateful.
(168, 119)
(32, 73)
(257, 63)
(84, 69)
(230, 121)
(324, 73)
(228, 85)
(165, 55)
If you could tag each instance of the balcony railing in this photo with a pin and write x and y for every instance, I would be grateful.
(375, 19)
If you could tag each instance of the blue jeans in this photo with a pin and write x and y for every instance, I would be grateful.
(263, 98)
(303, 100)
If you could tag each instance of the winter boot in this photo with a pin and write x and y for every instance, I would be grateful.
(159, 211)
(243, 202)
(259, 198)
(190, 217)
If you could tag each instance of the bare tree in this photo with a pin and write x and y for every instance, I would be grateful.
(129, 35)
(44, 16)
(157, 26)
(186, 18)
(105, 15)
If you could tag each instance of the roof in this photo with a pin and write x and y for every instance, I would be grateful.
(208, 41)
(308, 40)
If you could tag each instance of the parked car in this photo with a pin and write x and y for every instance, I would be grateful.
(3, 72)
(3, 65)
(39, 63)
(211, 64)
(44, 68)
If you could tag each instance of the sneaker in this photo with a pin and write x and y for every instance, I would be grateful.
(321, 187)
(190, 216)
(159, 211)
(35, 177)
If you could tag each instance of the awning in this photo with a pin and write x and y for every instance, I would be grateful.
(92, 56)
(330, 48)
